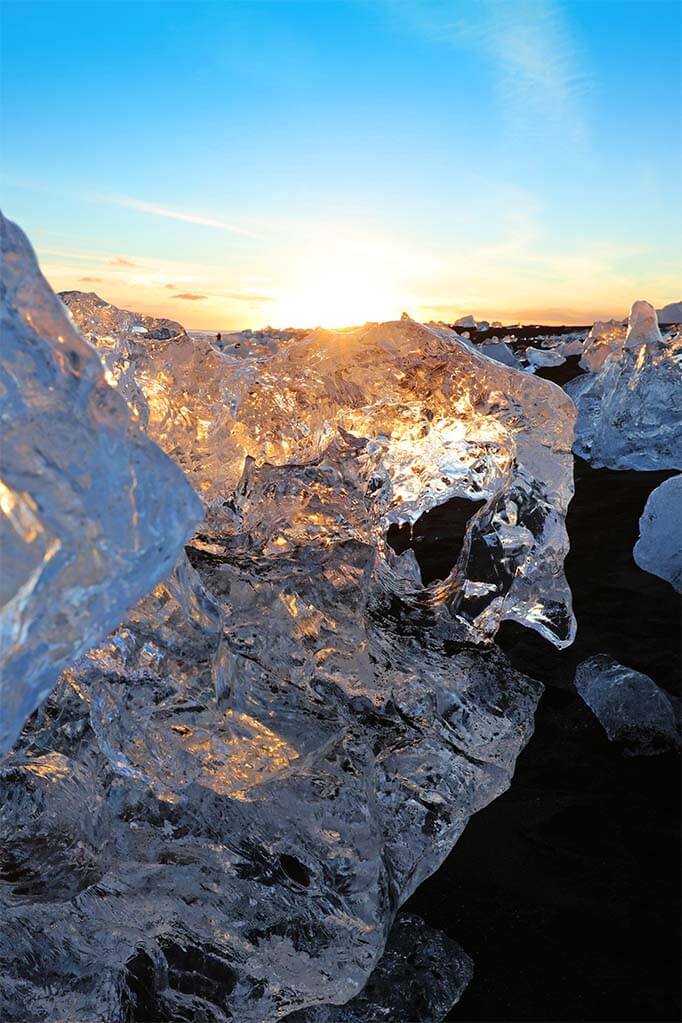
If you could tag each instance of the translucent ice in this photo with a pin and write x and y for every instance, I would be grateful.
(182, 387)
(238, 788)
(436, 420)
(659, 548)
(92, 513)
(544, 357)
(671, 313)
(606, 338)
(629, 705)
(499, 351)
(420, 977)
(630, 411)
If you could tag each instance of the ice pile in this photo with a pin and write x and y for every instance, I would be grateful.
(630, 410)
(92, 513)
(219, 809)
(629, 705)
(659, 548)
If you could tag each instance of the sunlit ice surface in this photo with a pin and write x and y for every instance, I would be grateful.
(235, 790)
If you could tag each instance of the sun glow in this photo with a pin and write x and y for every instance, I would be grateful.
(348, 282)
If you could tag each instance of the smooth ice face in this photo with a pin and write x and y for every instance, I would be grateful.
(659, 548)
(629, 705)
(436, 420)
(630, 411)
(92, 513)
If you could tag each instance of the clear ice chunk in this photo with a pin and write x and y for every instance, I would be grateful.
(436, 420)
(420, 977)
(659, 548)
(670, 314)
(219, 809)
(630, 411)
(632, 709)
(499, 352)
(92, 513)
(606, 338)
(538, 357)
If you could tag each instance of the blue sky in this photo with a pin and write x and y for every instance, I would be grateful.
(233, 164)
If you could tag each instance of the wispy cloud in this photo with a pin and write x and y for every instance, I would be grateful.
(190, 296)
(190, 218)
(92, 280)
(540, 73)
(120, 261)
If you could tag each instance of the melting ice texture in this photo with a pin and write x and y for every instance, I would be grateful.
(630, 406)
(92, 513)
(219, 809)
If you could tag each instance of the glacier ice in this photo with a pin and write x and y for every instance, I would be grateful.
(419, 978)
(499, 351)
(437, 420)
(544, 357)
(659, 547)
(237, 789)
(632, 709)
(605, 339)
(630, 410)
(670, 314)
(92, 513)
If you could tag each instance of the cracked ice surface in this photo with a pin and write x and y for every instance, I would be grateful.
(219, 809)
(659, 548)
(78, 481)
(632, 709)
(630, 411)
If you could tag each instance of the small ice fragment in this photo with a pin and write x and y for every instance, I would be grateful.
(659, 548)
(632, 709)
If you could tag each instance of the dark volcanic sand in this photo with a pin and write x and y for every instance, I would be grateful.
(566, 890)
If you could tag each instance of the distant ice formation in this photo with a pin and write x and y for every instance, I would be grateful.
(659, 548)
(499, 351)
(538, 357)
(670, 314)
(92, 513)
(466, 321)
(632, 709)
(630, 409)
